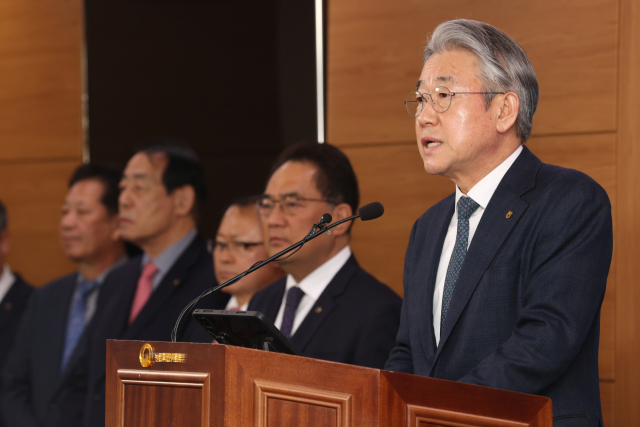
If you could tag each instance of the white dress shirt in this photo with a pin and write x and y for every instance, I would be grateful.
(233, 304)
(481, 193)
(313, 285)
(6, 281)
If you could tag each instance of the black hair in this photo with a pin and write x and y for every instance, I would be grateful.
(3, 217)
(335, 178)
(183, 168)
(107, 176)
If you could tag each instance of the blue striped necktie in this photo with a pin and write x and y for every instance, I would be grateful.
(76, 321)
(466, 207)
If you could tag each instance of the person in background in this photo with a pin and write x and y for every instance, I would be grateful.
(162, 191)
(14, 294)
(238, 245)
(39, 383)
(328, 306)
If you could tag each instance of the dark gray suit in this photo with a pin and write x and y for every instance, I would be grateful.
(354, 320)
(12, 307)
(525, 311)
(35, 392)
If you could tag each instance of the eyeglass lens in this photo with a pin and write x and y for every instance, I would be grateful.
(439, 98)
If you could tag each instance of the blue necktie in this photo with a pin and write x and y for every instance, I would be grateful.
(466, 206)
(294, 296)
(76, 321)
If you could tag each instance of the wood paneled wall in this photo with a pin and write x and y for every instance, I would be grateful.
(40, 127)
(585, 54)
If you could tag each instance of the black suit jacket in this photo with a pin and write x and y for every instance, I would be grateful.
(355, 319)
(191, 274)
(35, 391)
(525, 311)
(12, 307)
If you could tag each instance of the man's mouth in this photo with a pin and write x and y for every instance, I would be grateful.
(430, 143)
(433, 144)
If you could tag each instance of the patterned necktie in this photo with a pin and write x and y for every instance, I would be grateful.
(294, 296)
(143, 291)
(76, 320)
(466, 206)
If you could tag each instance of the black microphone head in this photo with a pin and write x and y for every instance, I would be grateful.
(371, 211)
(326, 219)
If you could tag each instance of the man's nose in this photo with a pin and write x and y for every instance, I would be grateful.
(277, 217)
(428, 115)
(68, 220)
(124, 200)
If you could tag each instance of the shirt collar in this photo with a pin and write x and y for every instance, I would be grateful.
(169, 256)
(482, 192)
(314, 284)
(108, 270)
(6, 280)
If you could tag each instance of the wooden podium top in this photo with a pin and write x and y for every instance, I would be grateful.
(215, 385)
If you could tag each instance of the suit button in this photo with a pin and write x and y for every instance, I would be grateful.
(97, 397)
(53, 407)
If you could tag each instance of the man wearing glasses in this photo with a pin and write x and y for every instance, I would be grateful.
(505, 278)
(239, 244)
(328, 306)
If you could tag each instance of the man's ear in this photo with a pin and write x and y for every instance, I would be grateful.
(507, 111)
(341, 211)
(4, 243)
(184, 199)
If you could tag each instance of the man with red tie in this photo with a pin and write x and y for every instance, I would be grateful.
(162, 190)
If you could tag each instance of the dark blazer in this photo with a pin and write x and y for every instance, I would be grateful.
(34, 388)
(525, 311)
(12, 307)
(355, 319)
(191, 274)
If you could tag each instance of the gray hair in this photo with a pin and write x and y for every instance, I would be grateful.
(503, 64)
(3, 217)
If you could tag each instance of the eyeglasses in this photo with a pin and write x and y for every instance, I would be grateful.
(235, 248)
(289, 205)
(440, 100)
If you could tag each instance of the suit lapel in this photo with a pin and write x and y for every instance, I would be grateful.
(427, 271)
(273, 301)
(501, 215)
(175, 278)
(325, 304)
(57, 324)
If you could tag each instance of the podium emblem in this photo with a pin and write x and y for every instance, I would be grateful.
(148, 356)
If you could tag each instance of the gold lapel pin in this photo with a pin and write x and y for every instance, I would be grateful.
(176, 282)
(318, 310)
(509, 214)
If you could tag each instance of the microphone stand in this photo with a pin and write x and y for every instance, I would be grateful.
(254, 267)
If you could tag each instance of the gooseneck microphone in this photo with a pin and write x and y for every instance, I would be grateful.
(367, 212)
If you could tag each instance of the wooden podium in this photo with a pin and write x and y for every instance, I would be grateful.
(205, 385)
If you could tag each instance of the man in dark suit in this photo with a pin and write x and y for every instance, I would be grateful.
(504, 279)
(162, 191)
(329, 307)
(39, 381)
(14, 294)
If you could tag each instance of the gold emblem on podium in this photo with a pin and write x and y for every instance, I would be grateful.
(148, 356)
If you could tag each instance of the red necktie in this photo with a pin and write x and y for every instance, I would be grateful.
(143, 291)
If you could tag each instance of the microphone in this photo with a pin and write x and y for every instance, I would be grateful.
(367, 212)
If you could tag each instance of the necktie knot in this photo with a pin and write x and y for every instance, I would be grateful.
(149, 271)
(466, 207)
(86, 287)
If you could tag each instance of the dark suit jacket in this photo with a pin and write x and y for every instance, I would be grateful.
(525, 311)
(34, 389)
(12, 307)
(355, 319)
(191, 274)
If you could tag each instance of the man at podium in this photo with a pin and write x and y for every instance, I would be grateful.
(328, 306)
(504, 279)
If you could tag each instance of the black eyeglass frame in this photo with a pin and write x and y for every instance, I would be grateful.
(433, 103)
(282, 208)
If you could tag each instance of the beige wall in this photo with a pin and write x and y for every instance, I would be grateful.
(40, 127)
(586, 58)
